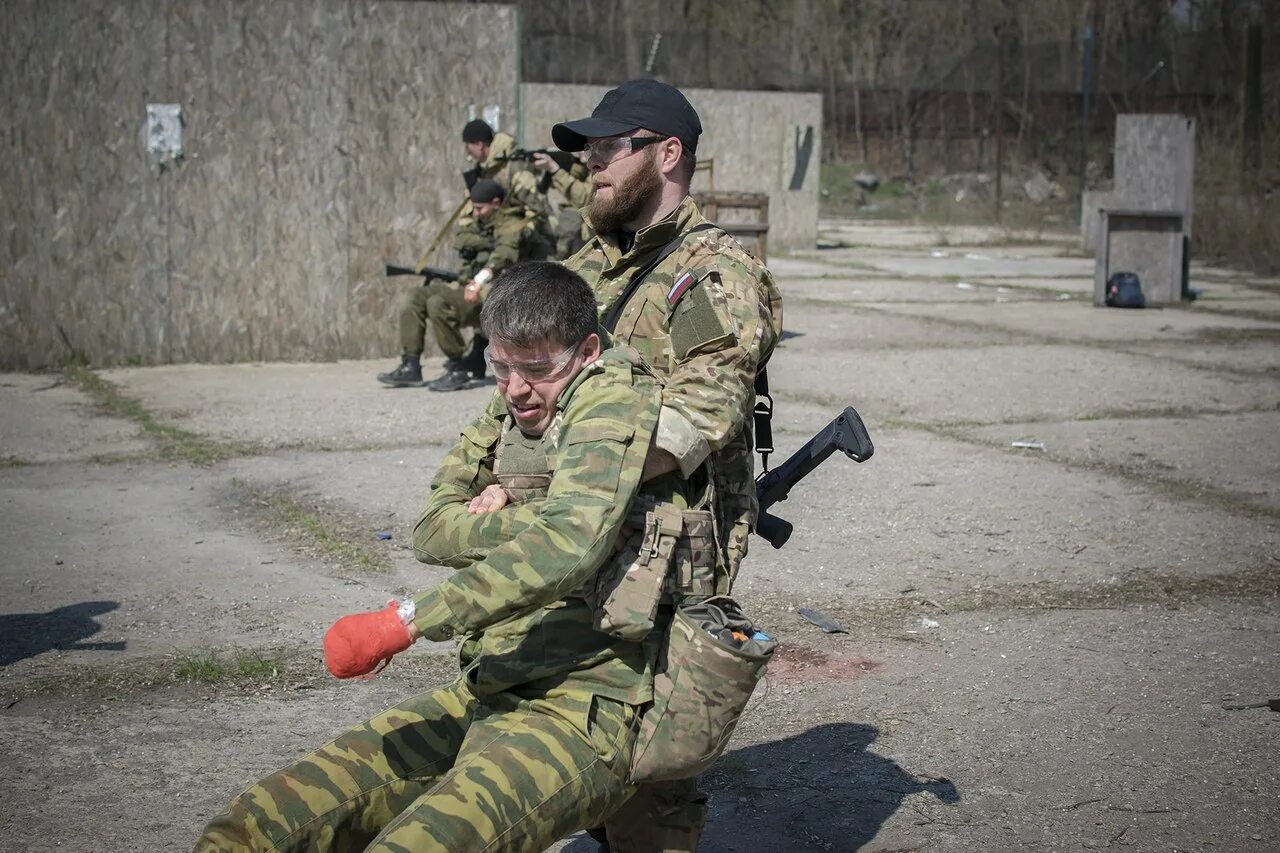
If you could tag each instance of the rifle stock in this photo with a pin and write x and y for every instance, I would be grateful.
(428, 273)
(846, 433)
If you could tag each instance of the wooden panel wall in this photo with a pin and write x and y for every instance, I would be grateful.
(321, 137)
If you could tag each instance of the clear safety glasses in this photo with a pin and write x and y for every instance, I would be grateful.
(606, 150)
(531, 371)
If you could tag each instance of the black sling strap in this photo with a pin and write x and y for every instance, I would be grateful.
(763, 412)
(611, 317)
(763, 417)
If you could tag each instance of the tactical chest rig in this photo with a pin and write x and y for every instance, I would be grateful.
(669, 556)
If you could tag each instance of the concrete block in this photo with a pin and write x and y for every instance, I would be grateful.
(1149, 243)
(1155, 160)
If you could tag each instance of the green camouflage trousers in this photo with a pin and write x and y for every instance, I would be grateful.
(449, 313)
(444, 771)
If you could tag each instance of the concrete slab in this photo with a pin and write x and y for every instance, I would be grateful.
(44, 418)
(390, 485)
(167, 553)
(854, 288)
(338, 404)
(1079, 320)
(1265, 308)
(910, 517)
(1247, 356)
(823, 327)
(1012, 384)
(1208, 452)
(899, 235)
(978, 265)
(1044, 288)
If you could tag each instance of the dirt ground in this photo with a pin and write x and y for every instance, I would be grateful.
(1043, 646)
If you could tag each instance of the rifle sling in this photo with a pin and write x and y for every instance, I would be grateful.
(762, 415)
(611, 317)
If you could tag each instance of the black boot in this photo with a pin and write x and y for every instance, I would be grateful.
(455, 377)
(407, 375)
(473, 361)
(598, 834)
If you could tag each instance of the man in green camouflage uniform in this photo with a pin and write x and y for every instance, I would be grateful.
(488, 239)
(524, 215)
(534, 740)
(706, 318)
(574, 183)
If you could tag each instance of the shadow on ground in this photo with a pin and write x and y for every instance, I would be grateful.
(25, 635)
(821, 790)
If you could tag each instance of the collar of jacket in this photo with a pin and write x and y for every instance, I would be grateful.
(650, 239)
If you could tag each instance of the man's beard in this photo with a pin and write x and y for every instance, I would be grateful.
(629, 199)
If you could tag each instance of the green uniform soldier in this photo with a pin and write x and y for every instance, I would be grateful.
(574, 184)
(492, 152)
(534, 740)
(706, 317)
(488, 240)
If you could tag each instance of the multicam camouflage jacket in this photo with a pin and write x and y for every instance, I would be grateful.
(706, 318)
(515, 597)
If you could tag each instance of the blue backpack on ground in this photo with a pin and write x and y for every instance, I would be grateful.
(1125, 291)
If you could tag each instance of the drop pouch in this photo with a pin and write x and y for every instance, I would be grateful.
(709, 676)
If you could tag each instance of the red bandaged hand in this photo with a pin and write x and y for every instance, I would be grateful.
(358, 643)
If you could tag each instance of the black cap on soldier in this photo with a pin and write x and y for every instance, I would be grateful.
(651, 104)
(477, 130)
(487, 189)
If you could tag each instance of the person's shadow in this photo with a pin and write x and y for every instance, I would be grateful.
(822, 790)
(24, 635)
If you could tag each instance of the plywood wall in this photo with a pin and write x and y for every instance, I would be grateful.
(320, 139)
(768, 142)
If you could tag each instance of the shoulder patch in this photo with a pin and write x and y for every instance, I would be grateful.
(696, 321)
(683, 283)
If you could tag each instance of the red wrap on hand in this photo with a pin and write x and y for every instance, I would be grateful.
(356, 644)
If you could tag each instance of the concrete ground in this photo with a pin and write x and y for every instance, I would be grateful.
(1045, 645)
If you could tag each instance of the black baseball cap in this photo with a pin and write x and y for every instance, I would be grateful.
(651, 104)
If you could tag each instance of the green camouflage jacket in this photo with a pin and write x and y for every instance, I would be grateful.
(575, 186)
(521, 184)
(518, 568)
(506, 238)
(705, 319)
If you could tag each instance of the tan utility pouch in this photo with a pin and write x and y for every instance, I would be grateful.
(629, 591)
(694, 577)
(698, 697)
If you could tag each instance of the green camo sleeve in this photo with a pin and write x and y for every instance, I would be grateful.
(604, 436)
(446, 534)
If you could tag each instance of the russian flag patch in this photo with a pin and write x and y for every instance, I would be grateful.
(682, 284)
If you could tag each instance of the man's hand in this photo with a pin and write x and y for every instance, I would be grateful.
(544, 163)
(492, 499)
(358, 643)
(471, 293)
(658, 462)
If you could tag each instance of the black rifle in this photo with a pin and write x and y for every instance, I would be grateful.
(846, 433)
(428, 273)
(564, 159)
